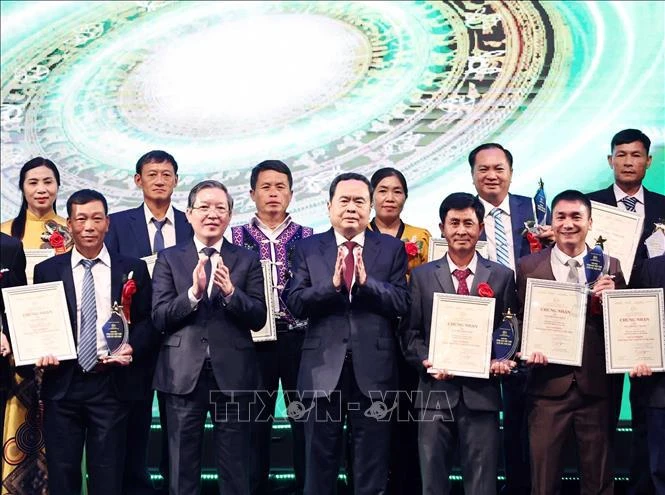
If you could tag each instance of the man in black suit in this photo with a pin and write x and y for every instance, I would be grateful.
(12, 274)
(351, 284)
(87, 401)
(629, 160)
(470, 424)
(652, 386)
(141, 232)
(208, 297)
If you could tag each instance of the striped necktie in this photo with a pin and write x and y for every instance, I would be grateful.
(501, 242)
(630, 203)
(87, 355)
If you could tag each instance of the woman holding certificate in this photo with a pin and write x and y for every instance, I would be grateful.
(39, 227)
(390, 191)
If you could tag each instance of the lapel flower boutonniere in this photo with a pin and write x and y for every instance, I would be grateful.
(413, 247)
(530, 229)
(484, 290)
(2, 272)
(56, 237)
(128, 290)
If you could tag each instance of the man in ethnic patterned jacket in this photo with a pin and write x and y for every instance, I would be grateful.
(272, 234)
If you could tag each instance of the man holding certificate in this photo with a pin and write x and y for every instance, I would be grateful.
(569, 399)
(458, 413)
(87, 401)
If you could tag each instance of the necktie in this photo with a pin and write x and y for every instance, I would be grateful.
(630, 203)
(87, 356)
(349, 264)
(208, 251)
(572, 273)
(501, 241)
(461, 275)
(158, 241)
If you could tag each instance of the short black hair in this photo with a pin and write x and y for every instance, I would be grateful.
(207, 184)
(630, 136)
(349, 176)
(85, 196)
(276, 165)
(156, 156)
(572, 195)
(384, 172)
(490, 146)
(461, 201)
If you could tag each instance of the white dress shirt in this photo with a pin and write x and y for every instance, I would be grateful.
(639, 196)
(471, 266)
(272, 235)
(359, 239)
(560, 269)
(213, 260)
(507, 226)
(168, 229)
(101, 274)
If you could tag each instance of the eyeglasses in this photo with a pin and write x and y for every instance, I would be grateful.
(206, 210)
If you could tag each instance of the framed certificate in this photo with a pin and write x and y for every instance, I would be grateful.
(40, 329)
(554, 321)
(150, 262)
(269, 330)
(32, 258)
(439, 247)
(621, 228)
(461, 334)
(634, 323)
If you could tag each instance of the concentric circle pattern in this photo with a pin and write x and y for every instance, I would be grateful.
(325, 86)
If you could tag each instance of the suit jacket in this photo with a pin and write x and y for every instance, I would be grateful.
(224, 327)
(521, 210)
(654, 209)
(128, 232)
(652, 389)
(479, 394)
(554, 380)
(141, 333)
(364, 325)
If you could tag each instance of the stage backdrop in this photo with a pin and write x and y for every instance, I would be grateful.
(327, 87)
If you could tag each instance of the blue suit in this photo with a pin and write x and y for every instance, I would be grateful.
(94, 407)
(348, 355)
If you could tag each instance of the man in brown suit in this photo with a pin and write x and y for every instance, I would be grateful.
(567, 399)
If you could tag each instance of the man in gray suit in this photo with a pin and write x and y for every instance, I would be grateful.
(207, 298)
(469, 420)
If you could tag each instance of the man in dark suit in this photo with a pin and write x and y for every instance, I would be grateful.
(87, 401)
(12, 274)
(470, 424)
(351, 284)
(208, 297)
(629, 160)
(652, 385)
(566, 399)
(505, 216)
(141, 232)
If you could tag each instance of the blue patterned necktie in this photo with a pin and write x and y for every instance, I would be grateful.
(501, 242)
(630, 203)
(87, 355)
(158, 241)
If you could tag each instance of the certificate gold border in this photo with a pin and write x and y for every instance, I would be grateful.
(269, 331)
(61, 312)
(581, 293)
(480, 304)
(609, 296)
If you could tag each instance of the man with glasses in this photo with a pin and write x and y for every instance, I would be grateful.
(208, 297)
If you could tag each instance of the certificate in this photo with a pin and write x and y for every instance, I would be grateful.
(554, 321)
(269, 330)
(40, 329)
(32, 258)
(634, 329)
(621, 228)
(461, 335)
(150, 261)
(439, 247)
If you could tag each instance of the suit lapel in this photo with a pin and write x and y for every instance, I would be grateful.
(371, 249)
(139, 229)
(519, 213)
(482, 274)
(544, 267)
(444, 277)
(328, 248)
(65, 269)
(230, 257)
(117, 273)
(182, 232)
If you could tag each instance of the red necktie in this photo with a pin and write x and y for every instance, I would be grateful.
(461, 275)
(349, 264)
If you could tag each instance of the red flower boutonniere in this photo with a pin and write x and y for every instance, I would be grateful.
(484, 290)
(128, 290)
(534, 243)
(2, 272)
(413, 247)
(56, 237)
